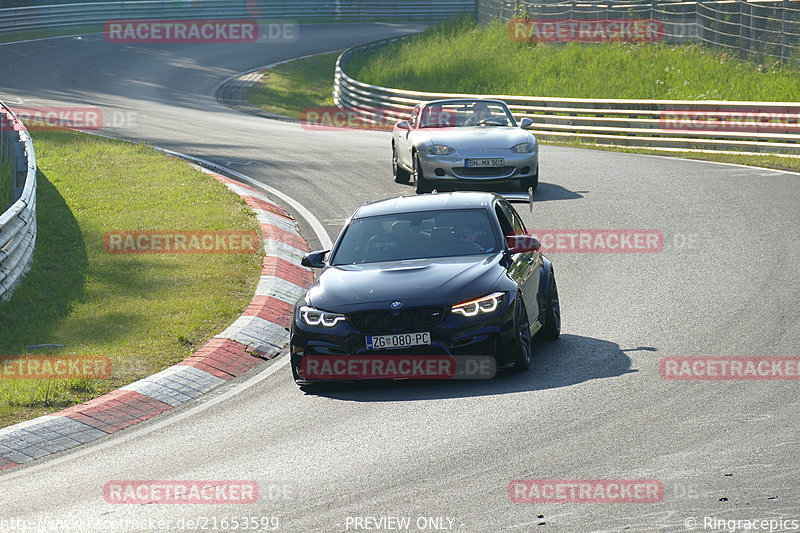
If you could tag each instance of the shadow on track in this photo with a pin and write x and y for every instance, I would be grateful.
(567, 361)
(544, 192)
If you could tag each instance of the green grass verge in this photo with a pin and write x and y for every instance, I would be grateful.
(144, 311)
(463, 57)
(290, 88)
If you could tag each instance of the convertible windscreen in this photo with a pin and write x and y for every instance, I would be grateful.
(465, 113)
(418, 235)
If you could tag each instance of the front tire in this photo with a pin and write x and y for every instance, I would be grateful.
(551, 328)
(422, 184)
(522, 344)
(400, 174)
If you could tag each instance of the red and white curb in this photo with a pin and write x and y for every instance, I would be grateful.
(258, 334)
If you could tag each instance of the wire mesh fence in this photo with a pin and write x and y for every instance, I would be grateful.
(761, 29)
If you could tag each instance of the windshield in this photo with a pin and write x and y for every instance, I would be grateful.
(462, 113)
(419, 235)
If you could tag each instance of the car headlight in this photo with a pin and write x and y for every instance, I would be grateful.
(487, 304)
(524, 148)
(315, 317)
(440, 149)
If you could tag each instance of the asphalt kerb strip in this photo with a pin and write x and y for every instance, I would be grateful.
(259, 333)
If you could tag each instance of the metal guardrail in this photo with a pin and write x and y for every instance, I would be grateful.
(59, 16)
(18, 222)
(763, 127)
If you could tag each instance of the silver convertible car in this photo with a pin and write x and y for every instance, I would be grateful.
(462, 142)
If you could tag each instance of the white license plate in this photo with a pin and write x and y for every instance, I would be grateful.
(493, 162)
(401, 340)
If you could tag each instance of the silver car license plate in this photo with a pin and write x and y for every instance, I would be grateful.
(401, 340)
(492, 162)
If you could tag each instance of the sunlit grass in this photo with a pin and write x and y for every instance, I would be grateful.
(144, 311)
(461, 56)
(290, 88)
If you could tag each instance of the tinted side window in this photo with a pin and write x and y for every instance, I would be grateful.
(505, 223)
(515, 223)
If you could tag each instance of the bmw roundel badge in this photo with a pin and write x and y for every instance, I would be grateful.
(397, 305)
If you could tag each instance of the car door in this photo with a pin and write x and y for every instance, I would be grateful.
(525, 267)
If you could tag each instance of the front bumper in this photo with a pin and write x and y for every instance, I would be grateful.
(451, 168)
(455, 336)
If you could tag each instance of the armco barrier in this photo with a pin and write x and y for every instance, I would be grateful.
(18, 222)
(763, 127)
(50, 17)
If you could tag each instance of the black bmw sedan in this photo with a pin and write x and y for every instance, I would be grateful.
(424, 278)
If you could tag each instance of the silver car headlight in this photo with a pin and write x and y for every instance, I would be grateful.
(440, 149)
(315, 317)
(486, 304)
(524, 148)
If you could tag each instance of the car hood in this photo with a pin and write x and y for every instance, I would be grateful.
(475, 138)
(440, 281)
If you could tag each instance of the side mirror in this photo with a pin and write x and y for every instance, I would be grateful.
(314, 259)
(520, 244)
(525, 122)
(403, 125)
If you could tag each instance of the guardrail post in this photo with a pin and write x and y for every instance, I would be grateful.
(698, 28)
(20, 170)
(3, 205)
(741, 29)
(784, 32)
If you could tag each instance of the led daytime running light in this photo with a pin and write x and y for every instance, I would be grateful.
(315, 317)
(487, 304)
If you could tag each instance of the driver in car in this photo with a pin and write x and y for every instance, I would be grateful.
(466, 240)
(480, 112)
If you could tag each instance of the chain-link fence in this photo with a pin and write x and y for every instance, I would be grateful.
(763, 29)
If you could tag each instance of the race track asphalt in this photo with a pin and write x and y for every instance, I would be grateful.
(593, 405)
